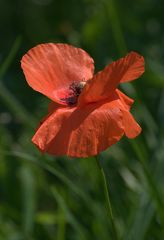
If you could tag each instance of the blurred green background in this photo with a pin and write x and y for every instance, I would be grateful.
(49, 198)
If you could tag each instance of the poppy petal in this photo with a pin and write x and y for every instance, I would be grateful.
(80, 132)
(127, 101)
(105, 82)
(51, 68)
(53, 106)
(131, 127)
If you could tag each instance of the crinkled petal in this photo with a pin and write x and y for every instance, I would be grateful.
(131, 127)
(105, 82)
(81, 132)
(53, 106)
(127, 101)
(51, 68)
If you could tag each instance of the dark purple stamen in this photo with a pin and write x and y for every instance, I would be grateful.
(74, 91)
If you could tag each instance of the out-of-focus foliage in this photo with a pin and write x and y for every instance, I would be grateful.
(43, 197)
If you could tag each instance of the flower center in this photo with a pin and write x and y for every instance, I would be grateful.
(74, 91)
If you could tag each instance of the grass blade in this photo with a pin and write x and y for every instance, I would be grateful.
(28, 199)
(6, 64)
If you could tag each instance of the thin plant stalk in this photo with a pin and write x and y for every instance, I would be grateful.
(108, 201)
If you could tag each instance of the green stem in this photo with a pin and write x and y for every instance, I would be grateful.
(108, 201)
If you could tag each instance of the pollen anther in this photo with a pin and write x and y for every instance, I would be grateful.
(74, 91)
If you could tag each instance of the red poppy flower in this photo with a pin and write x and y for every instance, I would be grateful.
(87, 113)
